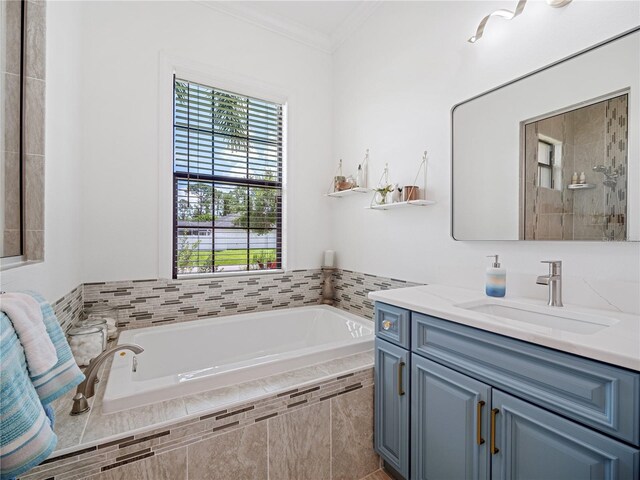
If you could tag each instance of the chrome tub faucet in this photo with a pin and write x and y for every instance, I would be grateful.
(554, 281)
(87, 388)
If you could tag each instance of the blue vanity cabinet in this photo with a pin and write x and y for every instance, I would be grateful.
(489, 407)
(531, 443)
(450, 423)
(392, 367)
(465, 429)
(600, 396)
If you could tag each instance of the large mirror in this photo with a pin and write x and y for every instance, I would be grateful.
(11, 22)
(553, 155)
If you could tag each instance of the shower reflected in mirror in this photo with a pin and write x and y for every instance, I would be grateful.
(575, 173)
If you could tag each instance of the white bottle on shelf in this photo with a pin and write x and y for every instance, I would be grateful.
(574, 178)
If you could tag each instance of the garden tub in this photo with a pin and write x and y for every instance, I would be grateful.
(191, 357)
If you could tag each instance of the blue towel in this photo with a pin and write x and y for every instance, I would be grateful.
(26, 431)
(50, 413)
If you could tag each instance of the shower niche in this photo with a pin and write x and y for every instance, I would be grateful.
(574, 173)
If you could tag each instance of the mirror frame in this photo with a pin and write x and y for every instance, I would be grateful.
(510, 82)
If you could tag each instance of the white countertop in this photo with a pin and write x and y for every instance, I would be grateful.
(617, 344)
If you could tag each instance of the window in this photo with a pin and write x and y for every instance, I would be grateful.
(227, 180)
(549, 163)
(545, 164)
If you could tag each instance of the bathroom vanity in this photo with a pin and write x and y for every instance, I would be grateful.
(466, 394)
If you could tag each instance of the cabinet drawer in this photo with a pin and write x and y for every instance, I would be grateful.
(604, 397)
(392, 324)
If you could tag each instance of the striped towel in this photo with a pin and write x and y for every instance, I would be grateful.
(26, 434)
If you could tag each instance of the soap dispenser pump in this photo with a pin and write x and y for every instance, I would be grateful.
(496, 279)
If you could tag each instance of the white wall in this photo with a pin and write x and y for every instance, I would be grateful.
(393, 84)
(395, 81)
(123, 46)
(60, 272)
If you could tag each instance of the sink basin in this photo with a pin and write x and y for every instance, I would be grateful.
(542, 317)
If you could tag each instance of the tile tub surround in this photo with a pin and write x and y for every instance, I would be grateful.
(68, 309)
(144, 303)
(353, 288)
(252, 428)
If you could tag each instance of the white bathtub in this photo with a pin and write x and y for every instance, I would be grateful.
(191, 357)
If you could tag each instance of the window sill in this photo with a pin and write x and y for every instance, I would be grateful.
(193, 276)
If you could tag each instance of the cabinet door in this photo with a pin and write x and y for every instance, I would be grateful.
(450, 423)
(392, 405)
(535, 444)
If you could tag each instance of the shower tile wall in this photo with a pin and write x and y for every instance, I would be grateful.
(590, 136)
(10, 85)
(616, 143)
(588, 151)
(545, 209)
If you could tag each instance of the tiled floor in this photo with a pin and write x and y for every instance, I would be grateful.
(378, 475)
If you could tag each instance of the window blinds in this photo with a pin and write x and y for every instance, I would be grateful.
(227, 169)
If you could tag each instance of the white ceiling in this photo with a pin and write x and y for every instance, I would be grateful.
(324, 17)
(320, 24)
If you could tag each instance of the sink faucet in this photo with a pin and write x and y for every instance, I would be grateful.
(554, 280)
(87, 388)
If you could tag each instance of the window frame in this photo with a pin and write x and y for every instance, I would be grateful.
(184, 68)
(546, 166)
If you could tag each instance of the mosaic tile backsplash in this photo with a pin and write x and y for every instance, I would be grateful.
(68, 309)
(143, 303)
(352, 289)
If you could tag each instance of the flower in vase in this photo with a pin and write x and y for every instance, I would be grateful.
(382, 192)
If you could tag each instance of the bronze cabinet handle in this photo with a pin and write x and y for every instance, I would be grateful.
(494, 413)
(479, 439)
(400, 367)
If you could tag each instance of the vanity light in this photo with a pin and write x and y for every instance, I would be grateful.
(510, 15)
(558, 3)
(506, 14)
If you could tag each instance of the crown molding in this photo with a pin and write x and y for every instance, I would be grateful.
(294, 30)
(354, 20)
(275, 24)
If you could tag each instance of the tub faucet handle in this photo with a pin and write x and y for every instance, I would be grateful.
(87, 388)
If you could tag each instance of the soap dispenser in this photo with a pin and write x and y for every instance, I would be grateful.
(496, 279)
